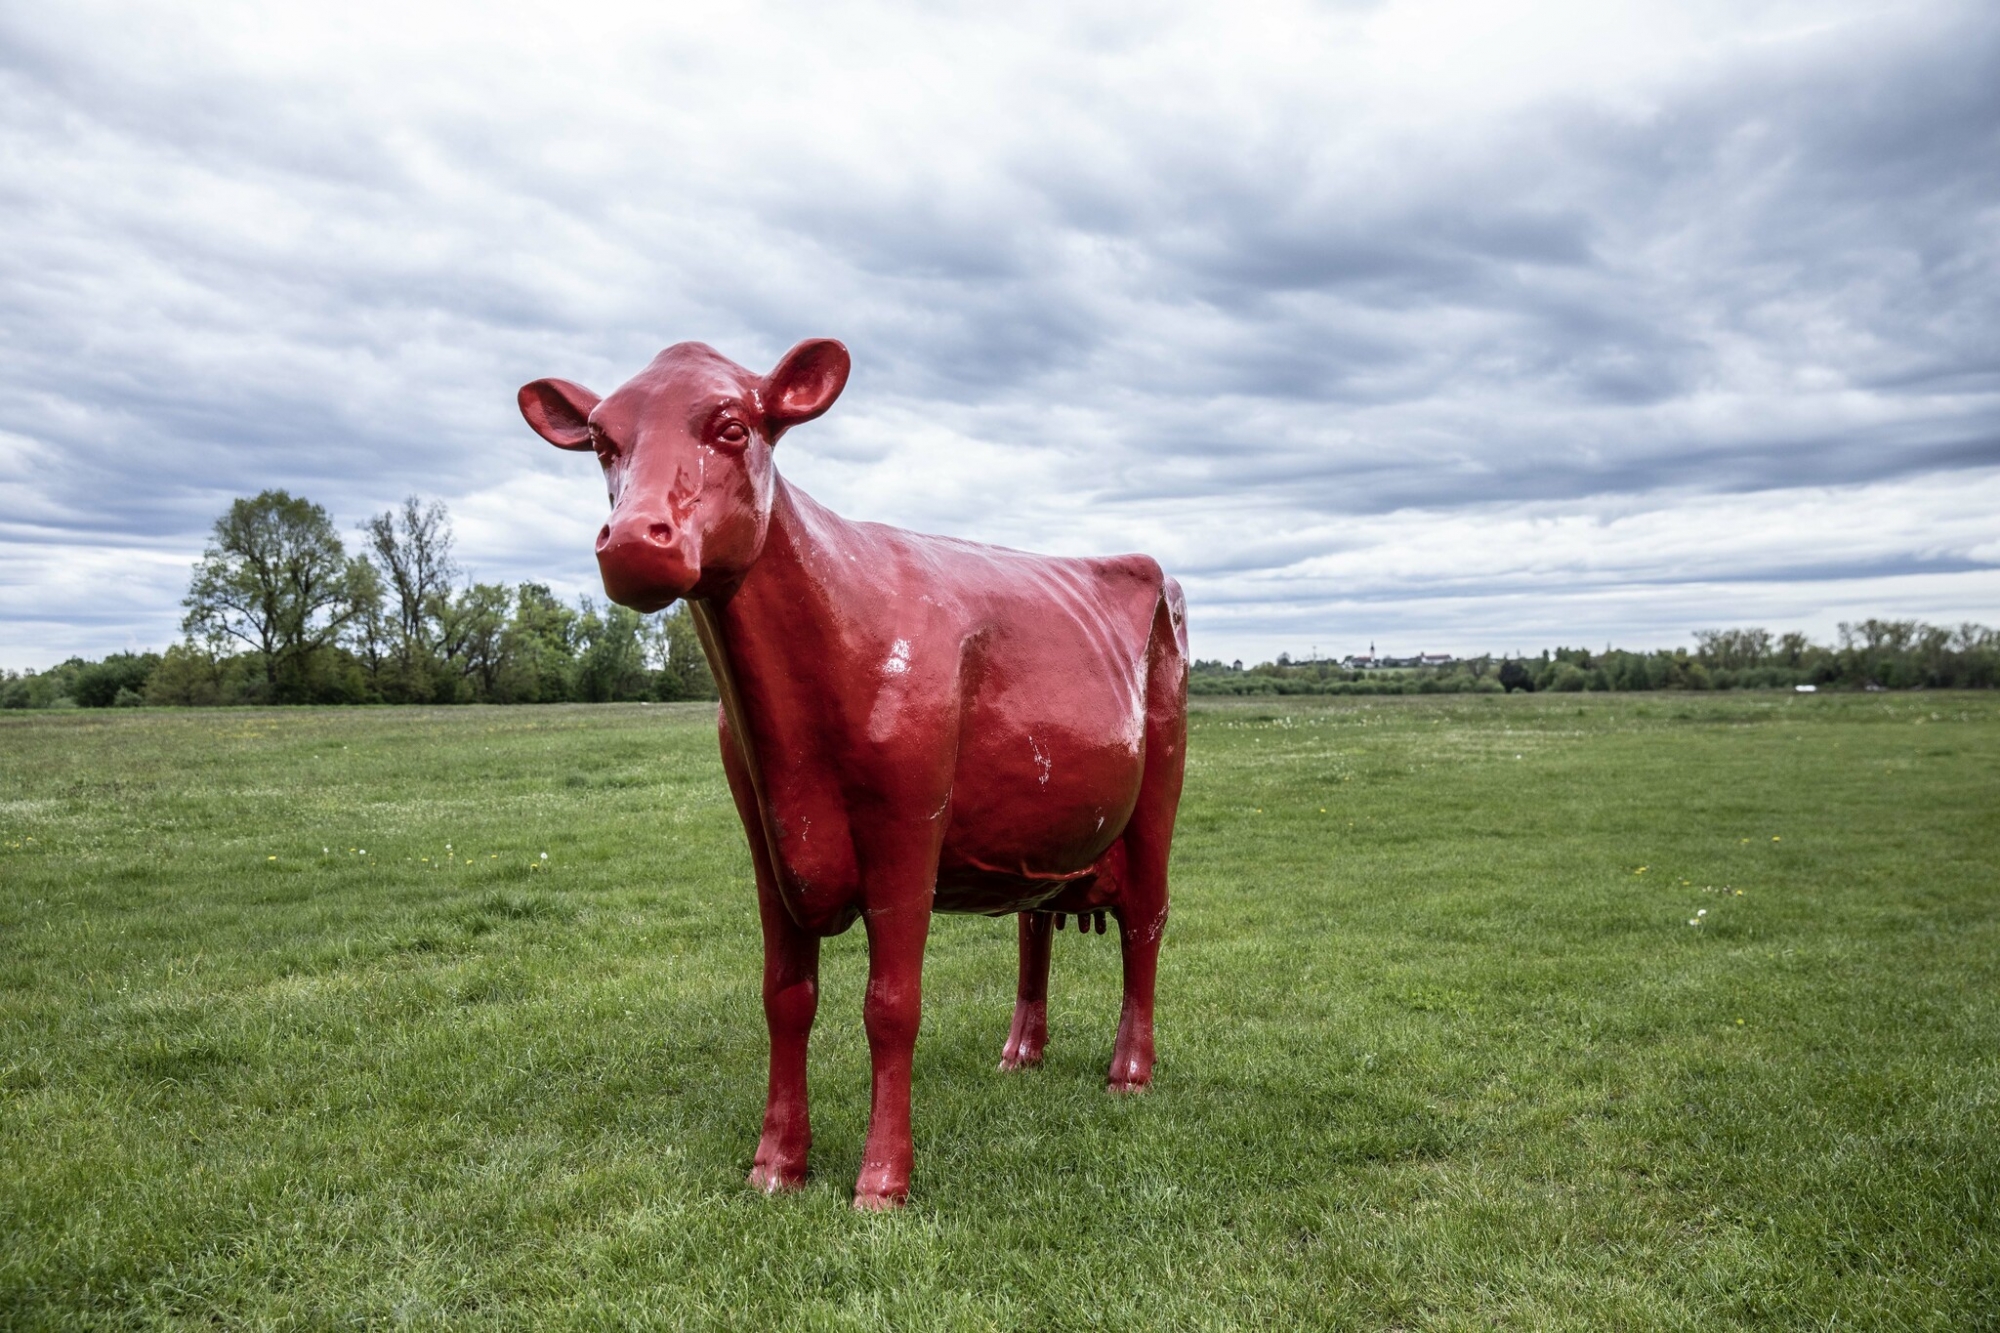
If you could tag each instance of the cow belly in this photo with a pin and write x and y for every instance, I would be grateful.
(1023, 826)
(1051, 751)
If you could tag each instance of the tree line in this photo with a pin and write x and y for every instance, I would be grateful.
(1869, 654)
(279, 611)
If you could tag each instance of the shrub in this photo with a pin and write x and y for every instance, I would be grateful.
(1567, 678)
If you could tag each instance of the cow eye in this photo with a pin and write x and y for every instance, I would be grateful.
(733, 433)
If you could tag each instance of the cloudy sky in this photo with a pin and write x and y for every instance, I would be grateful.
(1446, 326)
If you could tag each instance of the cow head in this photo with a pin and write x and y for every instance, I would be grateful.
(686, 450)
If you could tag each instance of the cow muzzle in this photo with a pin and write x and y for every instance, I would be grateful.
(647, 560)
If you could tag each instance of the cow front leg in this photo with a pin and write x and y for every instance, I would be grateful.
(891, 1011)
(791, 999)
(1030, 1033)
(791, 996)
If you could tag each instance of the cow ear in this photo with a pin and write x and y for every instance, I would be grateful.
(805, 383)
(559, 412)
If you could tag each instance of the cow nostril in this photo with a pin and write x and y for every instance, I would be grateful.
(604, 536)
(662, 533)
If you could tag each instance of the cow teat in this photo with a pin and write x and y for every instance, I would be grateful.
(686, 451)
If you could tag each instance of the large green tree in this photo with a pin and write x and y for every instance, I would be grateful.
(472, 636)
(403, 644)
(674, 649)
(276, 579)
(612, 665)
(538, 649)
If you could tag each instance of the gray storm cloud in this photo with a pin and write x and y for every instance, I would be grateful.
(1471, 326)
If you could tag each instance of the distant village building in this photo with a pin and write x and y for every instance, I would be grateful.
(1369, 661)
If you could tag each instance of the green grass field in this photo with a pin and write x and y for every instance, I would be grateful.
(1439, 1046)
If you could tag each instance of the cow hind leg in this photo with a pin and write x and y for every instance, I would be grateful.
(1141, 906)
(1142, 921)
(1030, 1032)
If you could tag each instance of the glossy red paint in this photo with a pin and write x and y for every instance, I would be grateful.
(909, 723)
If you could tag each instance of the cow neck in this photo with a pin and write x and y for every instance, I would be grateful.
(784, 612)
(780, 614)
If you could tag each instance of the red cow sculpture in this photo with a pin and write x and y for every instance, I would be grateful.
(909, 724)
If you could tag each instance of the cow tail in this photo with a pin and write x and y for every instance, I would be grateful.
(1176, 611)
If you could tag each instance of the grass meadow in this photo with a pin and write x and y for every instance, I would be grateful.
(299, 1029)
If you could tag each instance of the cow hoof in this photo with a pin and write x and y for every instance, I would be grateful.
(1010, 1061)
(1122, 1086)
(1026, 1037)
(868, 1201)
(769, 1179)
(881, 1188)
